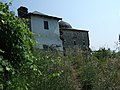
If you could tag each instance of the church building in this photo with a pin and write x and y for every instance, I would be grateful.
(52, 32)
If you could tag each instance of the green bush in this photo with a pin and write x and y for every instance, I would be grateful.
(100, 73)
(47, 72)
(53, 73)
(23, 69)
(15, 45)
(15, 37)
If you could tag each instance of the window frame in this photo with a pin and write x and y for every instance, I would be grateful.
(46, 25)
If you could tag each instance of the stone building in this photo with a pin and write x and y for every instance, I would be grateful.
(75, 39)
(45, 29)
(52, 32)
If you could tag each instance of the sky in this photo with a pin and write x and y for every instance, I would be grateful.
(100, 17)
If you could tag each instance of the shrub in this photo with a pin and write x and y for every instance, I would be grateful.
(47, 72)
(23, 69)
(53, 73)
(15, 37)
(16, 42)
(100, 73)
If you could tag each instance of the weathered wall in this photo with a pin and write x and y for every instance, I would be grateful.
(75, 39)
(44, 36)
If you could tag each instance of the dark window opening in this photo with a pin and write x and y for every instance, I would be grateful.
(74, 42)
(45, 47)
(46, 25)
(83, 42)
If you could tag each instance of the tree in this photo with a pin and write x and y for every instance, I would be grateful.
(15, 42)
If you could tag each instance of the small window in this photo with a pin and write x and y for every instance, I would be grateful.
(45, 47)
(83, 42)
(46, 25)
(74, 42)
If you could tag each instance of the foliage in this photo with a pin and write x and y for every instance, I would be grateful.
(102, 53)
(54, 73)
(100, 72)
(47, 72)
(23, 69)
(5, 66)
(15, 45)
(15, 37)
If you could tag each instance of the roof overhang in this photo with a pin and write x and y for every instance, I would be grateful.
(73, 29)
(43, 15)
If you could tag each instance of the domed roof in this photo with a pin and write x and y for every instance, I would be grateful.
(63, 24)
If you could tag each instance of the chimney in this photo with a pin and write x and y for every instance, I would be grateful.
(22, 12)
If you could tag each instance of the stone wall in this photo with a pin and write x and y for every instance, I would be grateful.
(74, 39)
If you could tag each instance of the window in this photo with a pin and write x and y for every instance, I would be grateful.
(83, 43)
(46, 25)
(45, 47)
(74, 42)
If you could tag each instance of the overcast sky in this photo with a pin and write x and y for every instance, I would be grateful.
(101, 17)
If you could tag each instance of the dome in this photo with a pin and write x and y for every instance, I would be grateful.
(63, 24)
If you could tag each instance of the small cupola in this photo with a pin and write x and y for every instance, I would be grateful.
(63, 24)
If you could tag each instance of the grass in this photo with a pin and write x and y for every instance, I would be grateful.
(101, 71)
(76, 71)
(55, 72)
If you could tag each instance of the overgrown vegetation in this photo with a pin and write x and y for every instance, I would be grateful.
(100, 72)
(47, 72)
(23, 67)
(15, 45)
